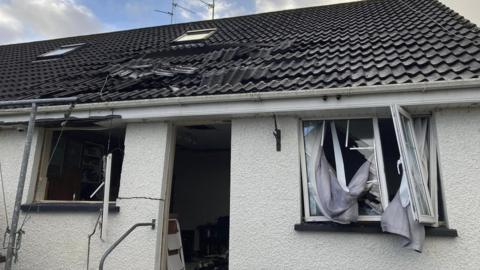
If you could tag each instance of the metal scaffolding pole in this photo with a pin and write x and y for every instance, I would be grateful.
(24, 167)
(21, 185)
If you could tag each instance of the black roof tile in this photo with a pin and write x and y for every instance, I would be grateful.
(373, 42)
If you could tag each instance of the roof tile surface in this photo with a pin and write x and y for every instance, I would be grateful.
(373, 42)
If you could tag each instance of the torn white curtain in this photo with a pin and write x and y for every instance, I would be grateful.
(336, 201)
(398, 216)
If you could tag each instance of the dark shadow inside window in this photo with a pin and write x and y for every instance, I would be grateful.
(76, 170)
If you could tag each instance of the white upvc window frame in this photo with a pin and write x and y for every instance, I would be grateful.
(379, 159)
(107, 168)
(377, 148)
(397, 113)
(195, 35)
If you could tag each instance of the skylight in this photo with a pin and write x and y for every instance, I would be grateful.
(195, 35)
(62, 50)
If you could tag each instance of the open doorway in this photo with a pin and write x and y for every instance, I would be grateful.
(200, 197)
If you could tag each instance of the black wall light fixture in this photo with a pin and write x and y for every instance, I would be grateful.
(277, 133)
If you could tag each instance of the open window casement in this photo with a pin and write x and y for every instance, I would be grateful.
(417, 179)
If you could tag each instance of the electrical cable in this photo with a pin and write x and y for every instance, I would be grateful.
(110, 132)
(103, 87)
(109, 75)
(7, 229)
(206, 3)
(186, 9)
(140, 197)
(90, 238)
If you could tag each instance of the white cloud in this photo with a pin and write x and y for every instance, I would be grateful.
(273, 5)
(24, 20)
(10, 28)
(228, 9)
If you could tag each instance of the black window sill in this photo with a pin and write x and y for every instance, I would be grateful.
(75, 207)
(370, 227)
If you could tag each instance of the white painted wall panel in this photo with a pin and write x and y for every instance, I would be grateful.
(265, 205)
(59, 240)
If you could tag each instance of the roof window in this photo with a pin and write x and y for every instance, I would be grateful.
(196, 35)
(62, 50)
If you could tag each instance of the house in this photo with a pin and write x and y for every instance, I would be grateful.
(234, 133)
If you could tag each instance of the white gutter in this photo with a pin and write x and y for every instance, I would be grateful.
(263, 96)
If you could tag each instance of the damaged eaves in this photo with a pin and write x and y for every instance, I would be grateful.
(93, 121)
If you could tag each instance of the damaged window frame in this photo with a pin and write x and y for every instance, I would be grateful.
(40, 176)
(184, 38)
(432, 188)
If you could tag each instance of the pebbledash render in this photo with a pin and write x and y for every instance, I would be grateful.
(333, 137)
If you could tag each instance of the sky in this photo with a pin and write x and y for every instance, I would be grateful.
(30, 20)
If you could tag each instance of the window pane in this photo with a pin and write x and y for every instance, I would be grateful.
(390, 156)
(195, 35)
(421, 195)
(359, 138)
(360, 148)
(191, 37)
(360, 132)
(76, 167)
(58, 52)
(312, 129)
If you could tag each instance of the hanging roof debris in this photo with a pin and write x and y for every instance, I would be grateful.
(372, 42)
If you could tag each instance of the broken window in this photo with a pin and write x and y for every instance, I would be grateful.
(196, 35)
(352, 168)
(73, 164)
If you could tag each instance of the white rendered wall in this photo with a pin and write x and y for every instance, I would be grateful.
(265, 204)
(59, 240)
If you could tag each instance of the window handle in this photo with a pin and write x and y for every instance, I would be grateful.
(399, 162)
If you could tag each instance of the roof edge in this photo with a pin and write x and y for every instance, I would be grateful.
(260, 96)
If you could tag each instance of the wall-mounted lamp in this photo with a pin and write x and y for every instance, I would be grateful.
(277, 133)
